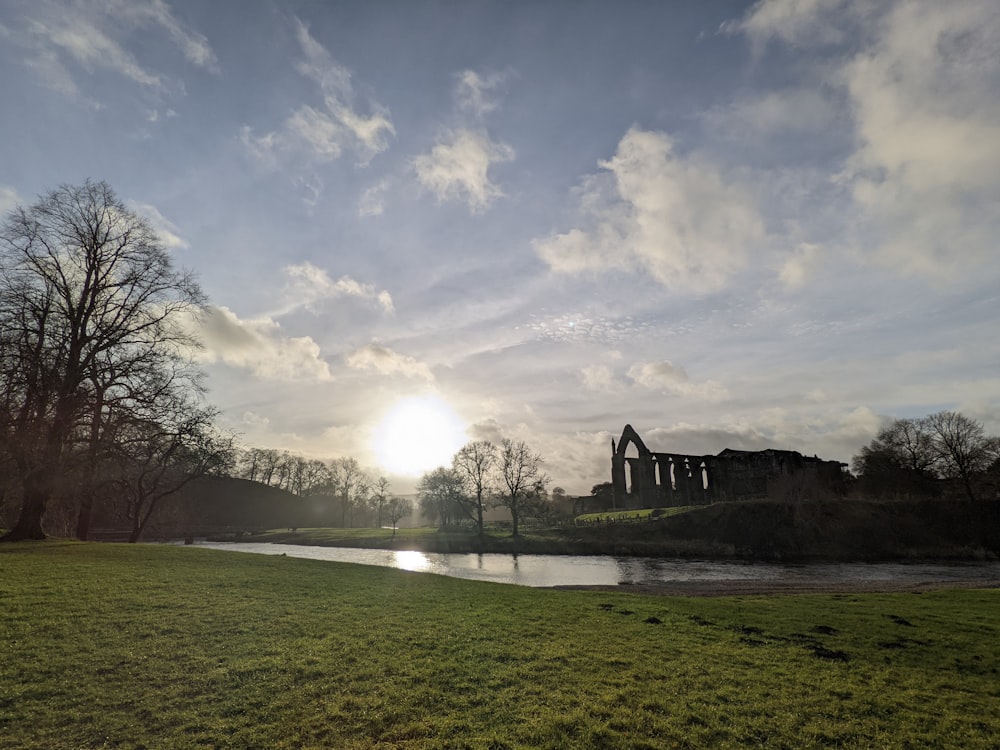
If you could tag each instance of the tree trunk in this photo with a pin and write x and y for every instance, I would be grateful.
(967, 481)
(513, 517)
(83, 518)
(29, 521)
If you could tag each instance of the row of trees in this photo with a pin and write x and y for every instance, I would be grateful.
(340, 492)
(484, 475)
(99, 396)
(918, 456)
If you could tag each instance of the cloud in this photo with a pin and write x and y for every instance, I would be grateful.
(258, 345)
(474, 93)
(457, 168)
(166, 230)
(254, 420)
(192, 44)
(371, 202)
(598, 378)
(308, 284)
(798, 267)
(387, 362)
(927, 114)
(673, 380)
(9, 200)
(920, 83)
(796, 22)
(323, 133)
(793, 110)
(679, 219)
(95, 35)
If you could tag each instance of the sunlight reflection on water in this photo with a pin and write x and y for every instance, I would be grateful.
(568, 570)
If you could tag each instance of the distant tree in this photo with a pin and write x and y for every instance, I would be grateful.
(396, 509)
(379, 497)
(441, 493)
(476, 464)
(90, 307)
(961, 447)
(352, 487)
(900, 460)
(604, 493)
(521, 478)
(910, 454)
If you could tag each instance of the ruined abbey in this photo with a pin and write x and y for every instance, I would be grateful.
(657, 480)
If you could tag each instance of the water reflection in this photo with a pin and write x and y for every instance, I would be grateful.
(410, 560)
(567, 570)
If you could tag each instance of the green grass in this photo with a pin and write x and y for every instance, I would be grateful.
(644, 514)
(124, 646)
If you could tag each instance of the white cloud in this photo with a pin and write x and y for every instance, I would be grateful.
(166, 230)
(254, 420)
(598, 378)
(387, 362)
(920, 80)
(457, 168)
(927, 170)
(793, 21)
(308, 284)
(681, 220)
(787, 111)
(474, 93)
(96, 35)
(323, 133)
(798, 267)
(260, 346)
(673, 380)
(192, 44)
(371, 202)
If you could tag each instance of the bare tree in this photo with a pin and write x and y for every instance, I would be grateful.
(352, 487)
(901, 460)
(441, 492)
(88, 299)
(476, 464)
(521, 478)
(157, 459)
(396, 509)
(910, 454)
(379, 496)
(961, 447)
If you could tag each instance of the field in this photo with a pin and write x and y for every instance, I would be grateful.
(626, 516)
(169, 647)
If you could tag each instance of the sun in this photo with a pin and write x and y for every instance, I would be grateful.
(418, 434)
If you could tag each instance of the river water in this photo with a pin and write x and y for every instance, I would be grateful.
(578, 570)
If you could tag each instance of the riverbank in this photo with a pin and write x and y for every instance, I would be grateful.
(110, 645)
(764, 530)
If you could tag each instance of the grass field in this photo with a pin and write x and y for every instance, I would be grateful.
(645, 514)
(169, 647)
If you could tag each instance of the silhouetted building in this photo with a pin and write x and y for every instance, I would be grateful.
(655, 480)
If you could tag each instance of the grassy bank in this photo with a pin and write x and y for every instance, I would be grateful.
(848, 530)
(167, 647)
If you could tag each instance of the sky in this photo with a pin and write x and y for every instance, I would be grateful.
(729, 224)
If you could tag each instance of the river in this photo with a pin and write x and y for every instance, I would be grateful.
(578, 570)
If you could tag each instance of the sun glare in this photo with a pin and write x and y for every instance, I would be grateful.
(418, 434)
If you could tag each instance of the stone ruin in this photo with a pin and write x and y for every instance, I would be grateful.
(663, 480)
